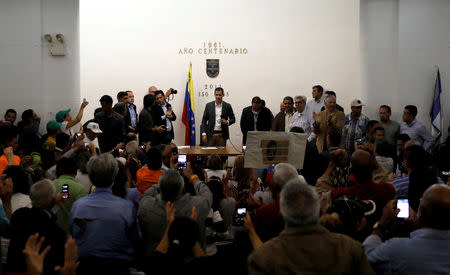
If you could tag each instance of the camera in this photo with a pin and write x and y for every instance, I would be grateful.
(173, 91)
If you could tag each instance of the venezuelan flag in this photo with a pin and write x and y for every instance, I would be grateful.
(188, 111)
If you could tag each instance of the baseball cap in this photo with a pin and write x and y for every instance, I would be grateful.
(351, 209)
(61, 115)
(356, 103)
(106, 99)
(53, 125)
(94, 127)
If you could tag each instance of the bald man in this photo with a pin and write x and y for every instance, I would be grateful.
(152, 90)
(363, 164)
(427, 250)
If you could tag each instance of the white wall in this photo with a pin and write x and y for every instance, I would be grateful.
(292, 45)
(401, 42)
(29, 76)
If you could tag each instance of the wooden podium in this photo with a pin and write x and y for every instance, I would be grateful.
(205, 151)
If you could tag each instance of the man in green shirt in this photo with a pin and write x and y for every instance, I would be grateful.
(66, 171)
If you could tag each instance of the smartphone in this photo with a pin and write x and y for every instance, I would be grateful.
(403, 206)
(86, 144)
(241, 213)
(79, 134)
(121, 150)
(84, 99)
(65, 191)
(182, 159)
(143, 147)
(359, 142)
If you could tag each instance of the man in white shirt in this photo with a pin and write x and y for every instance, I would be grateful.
(91, 131)
(67, 122)
(317, 102)
(301, 118)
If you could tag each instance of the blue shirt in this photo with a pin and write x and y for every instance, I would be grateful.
(354, 129)
(103, 225)
(164, 118)
(417, 131)
(427, 251)
(401, 185)
(133, 116)
(4, 222)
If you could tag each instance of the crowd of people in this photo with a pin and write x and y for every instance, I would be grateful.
(109, 196)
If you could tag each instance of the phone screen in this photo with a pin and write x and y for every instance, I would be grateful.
(65, 191)
(182, 158)
(403, 206)
(359, 142)
(241, 212)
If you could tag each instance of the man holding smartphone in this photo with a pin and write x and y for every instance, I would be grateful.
(426, 250)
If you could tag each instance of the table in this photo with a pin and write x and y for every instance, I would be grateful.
(205, 151)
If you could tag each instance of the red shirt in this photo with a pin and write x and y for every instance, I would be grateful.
(268, 220)
(380, 193)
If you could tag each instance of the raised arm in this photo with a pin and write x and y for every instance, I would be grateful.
(79, 115)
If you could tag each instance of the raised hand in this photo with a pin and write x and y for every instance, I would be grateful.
(33, 257)
(170, 212)
(70, 253)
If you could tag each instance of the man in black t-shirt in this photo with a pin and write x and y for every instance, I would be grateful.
(111, 124)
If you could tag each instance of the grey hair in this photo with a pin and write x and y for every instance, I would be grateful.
(42, 193)
(282, 173)
(132, 147)
(329, 97)
(171, 184)
(302, 97)
(299, 204)
(102, 170)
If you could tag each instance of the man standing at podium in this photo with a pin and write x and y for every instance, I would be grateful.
(218, 115)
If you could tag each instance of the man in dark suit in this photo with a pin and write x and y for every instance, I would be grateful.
(132, 117)
(167, 118)
(217, 117)
(255, 118)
